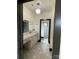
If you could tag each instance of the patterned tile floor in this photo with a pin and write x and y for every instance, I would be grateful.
(39, 51)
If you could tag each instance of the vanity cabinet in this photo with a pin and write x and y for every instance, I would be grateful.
(31, 40)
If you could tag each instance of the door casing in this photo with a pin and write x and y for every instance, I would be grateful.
(48, 31)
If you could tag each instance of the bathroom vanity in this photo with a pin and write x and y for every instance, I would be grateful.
(30, 39)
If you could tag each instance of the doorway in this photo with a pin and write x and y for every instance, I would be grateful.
(20, 34)
(45, 26)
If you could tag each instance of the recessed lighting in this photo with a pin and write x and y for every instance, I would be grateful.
(38, 3)
(32, 4)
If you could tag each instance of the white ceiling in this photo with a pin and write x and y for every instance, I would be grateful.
(45, 5)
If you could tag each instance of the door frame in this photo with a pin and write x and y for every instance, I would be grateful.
(19, 28)
(57, 31)
(48, 31)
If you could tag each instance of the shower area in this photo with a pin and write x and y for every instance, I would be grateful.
(44, 29)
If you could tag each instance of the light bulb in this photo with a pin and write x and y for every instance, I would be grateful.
(38, 11)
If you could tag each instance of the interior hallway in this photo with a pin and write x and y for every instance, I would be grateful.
(39, 51)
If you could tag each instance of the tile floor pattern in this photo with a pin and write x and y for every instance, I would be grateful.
(39, 51)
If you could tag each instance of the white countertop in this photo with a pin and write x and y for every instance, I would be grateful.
(28, 35)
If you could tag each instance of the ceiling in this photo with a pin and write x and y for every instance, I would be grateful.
(44, 5)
